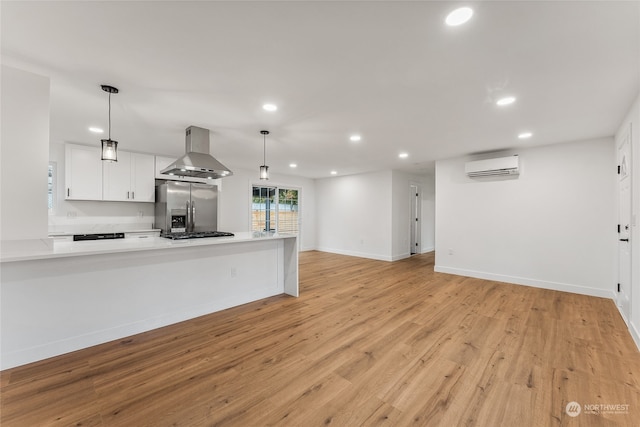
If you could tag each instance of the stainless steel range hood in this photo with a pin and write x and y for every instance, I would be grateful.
(197, 163)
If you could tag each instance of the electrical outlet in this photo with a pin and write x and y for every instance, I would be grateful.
(450, 251)
(71, 214)
(234, 272)
(140, 214)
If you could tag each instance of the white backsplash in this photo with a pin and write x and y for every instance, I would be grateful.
(98, 224)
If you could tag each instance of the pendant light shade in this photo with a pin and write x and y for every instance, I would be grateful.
(109, 150)
(109, 146)
(264, 169)
(264, 172)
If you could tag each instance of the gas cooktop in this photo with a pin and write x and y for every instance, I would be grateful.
(196, 234)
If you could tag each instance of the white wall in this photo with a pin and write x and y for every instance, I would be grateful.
(235, 197)
(633, 117)
(428, 228)
(551, 227)
(354, 215)
(25, 138)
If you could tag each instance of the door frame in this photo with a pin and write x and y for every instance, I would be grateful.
(625, 137)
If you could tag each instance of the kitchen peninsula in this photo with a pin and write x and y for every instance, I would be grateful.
(70, 295)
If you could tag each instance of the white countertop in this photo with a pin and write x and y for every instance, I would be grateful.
(25, 250)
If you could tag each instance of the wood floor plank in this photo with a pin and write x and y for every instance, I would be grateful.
(368, 342)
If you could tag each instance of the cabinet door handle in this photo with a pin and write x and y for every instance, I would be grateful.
(68, 192)
(624, 240)
(133, 194)
(127, 194)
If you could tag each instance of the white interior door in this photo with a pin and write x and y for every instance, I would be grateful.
(624, 223)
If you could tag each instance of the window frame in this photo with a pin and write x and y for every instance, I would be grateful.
(52, 193)
(277, 187)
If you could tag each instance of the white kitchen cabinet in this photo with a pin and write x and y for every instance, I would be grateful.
(143, 184)
(116, 178)
(82, 172)
(130, 179)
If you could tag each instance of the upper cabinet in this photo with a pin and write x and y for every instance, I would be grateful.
(82, 172)
(143, 183)
(87, 177)
(116, 179)
(130, 179)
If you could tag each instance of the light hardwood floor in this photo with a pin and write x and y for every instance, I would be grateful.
(367, 343)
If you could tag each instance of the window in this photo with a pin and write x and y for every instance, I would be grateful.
(263, 209)
(51, 187)
(275, 209)
(287, 210)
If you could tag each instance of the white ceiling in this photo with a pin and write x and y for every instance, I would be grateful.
(388, 70)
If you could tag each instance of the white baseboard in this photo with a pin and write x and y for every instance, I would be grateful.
(356, 254)
(401, 256)
(372, 256)
(635, 334)
(543, 284)
(630, 325)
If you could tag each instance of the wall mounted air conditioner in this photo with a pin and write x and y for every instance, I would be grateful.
(493, 167)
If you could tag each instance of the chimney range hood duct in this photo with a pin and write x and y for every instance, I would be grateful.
(197, 163)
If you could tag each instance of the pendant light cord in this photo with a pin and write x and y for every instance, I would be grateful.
(109, 115)
(264, 149)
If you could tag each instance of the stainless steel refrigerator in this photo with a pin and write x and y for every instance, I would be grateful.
(186, 207)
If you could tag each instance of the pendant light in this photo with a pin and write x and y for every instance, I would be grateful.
(264, 169)
(109, 146)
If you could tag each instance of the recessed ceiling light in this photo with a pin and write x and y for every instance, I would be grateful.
(270, 107)
(293, 165)
(334, 172)
(525, 135)
(96, 130)
(355, 138)
(507, 100)
(403, 155)
(459, 16)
